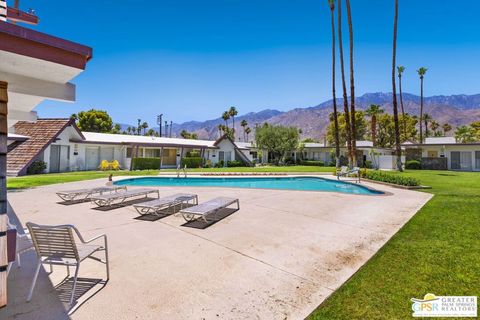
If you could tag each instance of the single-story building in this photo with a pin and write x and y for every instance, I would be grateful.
(445, 153)
(63, 147)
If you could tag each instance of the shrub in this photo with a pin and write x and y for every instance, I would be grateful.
(387, 177)
(413, 164)
(145, 163)
(192, 154)
(114, 165)
(368, 164)
(219, 164)
(191, 162)
(235, 163)
(313, 163)
(37, 167)
(208, 164)
(104, 165)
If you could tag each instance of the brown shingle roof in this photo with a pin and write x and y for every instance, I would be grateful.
(41, 133)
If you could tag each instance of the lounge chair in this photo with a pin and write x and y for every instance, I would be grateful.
(107, 200)
(56, 245)
(83, 194)
(345, 172)
(210, 207)
(155, 206)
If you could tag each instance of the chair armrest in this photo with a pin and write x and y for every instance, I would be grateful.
(96, 238)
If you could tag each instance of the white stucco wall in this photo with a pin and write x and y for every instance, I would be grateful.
(448, 149)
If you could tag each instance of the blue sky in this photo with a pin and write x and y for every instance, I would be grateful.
(191, 59)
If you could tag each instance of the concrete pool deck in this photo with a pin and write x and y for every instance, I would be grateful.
(278, 257)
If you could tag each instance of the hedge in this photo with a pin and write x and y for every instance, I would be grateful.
(192, 162)
(387, 177)
(145, 163)
(313, 163)
(37, 167)
(413, 164)
(235, 163)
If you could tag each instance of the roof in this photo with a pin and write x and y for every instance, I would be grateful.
(314, 145)
(42, 133)
(440, 140)
(109, 138)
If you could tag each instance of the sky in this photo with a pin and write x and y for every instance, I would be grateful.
(191, 59)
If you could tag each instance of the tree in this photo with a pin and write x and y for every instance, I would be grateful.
(373, 111)
(398, 147)
(225, 117)
(386, 130)
(421, 73)
(94, 120)
(117, 128)
(187, 135)
(434, 125)
(244, 124)
(220, 129)
(360, 124)
(129, 130)
(139, 126)
(400, 70)
(465, 134)
(277, 140)
(426, 119)
(352, 85)
(335, 112)
(348, 131)
(144, 127)
(446, 127)
(151, 132)
(233, 112)
(247, 131)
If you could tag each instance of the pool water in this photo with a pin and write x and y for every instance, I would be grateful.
(283, 183)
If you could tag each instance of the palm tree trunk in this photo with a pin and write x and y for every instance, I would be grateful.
(421, 109)
(398, 148)
(335, 113)
(374, 130)
(344, 87)
(352, 86)
(401, 106)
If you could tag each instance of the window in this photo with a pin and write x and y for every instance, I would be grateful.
(461, 160)
(432, 153)
(152, 153)
(129, 152)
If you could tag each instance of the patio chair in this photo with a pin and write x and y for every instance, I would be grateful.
(108, 200)
(83, 194)
(155, 206)
(207, 208)
(56, 245)
(345, 172)
(23, 244)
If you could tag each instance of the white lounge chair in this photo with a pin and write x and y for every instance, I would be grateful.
(56, 245)
(155, 206)
(210, 207)
(107, 200)
(346, 172)
(83, 194)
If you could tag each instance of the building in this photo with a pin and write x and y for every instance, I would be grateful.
(63, 147)
(445, 153)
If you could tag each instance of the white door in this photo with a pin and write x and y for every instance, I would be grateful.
(92, 158)
(106, 153)
(64, 158)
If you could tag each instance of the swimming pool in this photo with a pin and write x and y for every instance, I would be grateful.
(283, 183)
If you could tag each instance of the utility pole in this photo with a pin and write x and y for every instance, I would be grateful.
(166, 128)
(171, 125)
(159, 123)
(138, 127)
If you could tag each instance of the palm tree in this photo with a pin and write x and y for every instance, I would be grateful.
(400, 70)
(335, 112)
(247, 131)
(233, 112)
(344, 88)
(220, 129)
(352, 86)
(373, 111)
(398, 147)
(139, 126)
(465, 134)
(421, 72)
(446, 128)
(144, 127)
(225, 117)
(426, 119)
(129, 130)
(244, 124)
(434, 125)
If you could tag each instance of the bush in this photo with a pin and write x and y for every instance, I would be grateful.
(313, 163)
(191, 162)
(235, 163)
(368, 164)
(105, 165)
(145, 163)
(413, 164)
(37, 167)
(387, 177)
(192, 154)
(219, 164)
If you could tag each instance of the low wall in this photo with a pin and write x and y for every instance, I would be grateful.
(440, 163)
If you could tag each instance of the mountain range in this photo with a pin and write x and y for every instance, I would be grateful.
(454, 109)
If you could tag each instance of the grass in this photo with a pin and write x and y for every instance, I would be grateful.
(437, 251)
(46, 179)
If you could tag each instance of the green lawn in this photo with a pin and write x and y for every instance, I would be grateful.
(437, 251)
(45, 179)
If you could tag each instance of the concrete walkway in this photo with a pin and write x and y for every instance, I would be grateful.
(278, 257)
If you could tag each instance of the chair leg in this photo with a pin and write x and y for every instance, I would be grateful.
(74, 284)
(9, 267)
(19, 265)
(68, 271)
(37, 270)
(106, 260)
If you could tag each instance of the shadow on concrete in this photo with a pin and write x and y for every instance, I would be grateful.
(212, 219)
(69, 203)
(163, 213)
(123, 204)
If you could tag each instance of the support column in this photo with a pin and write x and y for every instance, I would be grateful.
(3, 193)
(161, 158)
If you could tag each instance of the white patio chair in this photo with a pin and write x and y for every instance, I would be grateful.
(24, 244)
(56, 245)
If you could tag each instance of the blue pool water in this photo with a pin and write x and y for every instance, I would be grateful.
(284, 183)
